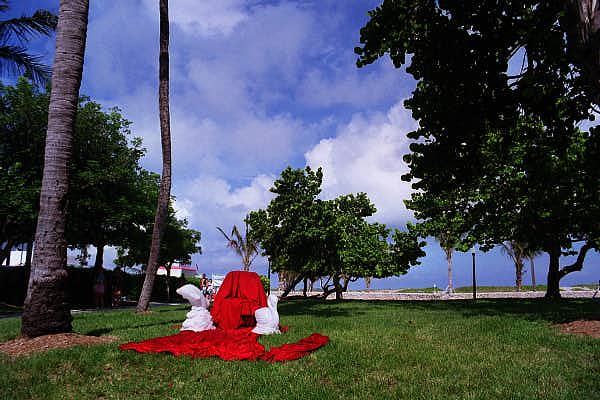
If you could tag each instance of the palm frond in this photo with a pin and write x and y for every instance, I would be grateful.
(509, 250)
(15, 60)
(231, 242)
(245, 248)
(43, 22)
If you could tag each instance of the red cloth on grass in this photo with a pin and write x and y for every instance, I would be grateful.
(294, 351)
(238, 344)
(239, 296)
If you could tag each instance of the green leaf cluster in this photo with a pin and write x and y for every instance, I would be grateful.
(111, 199)
(328, 238)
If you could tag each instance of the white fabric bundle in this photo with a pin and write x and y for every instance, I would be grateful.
(198, 319)
(267, 318)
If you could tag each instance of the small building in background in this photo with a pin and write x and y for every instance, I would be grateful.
(177, 271)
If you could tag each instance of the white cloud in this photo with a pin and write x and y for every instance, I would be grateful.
(366, 156)
(347, 85)
(212, 202)
(202, 17)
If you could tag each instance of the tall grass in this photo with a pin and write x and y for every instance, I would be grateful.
(489, 349)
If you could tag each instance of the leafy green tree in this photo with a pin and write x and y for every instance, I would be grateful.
(164, 196)
(23, 124)
(178, 245)
(46, 310)
(14, 35)
(244, 246)
(107, 193)
(328, 238)
(105, 201)
(501, 150)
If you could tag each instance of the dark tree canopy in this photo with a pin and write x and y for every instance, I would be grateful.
(500, 96)
(178, 245)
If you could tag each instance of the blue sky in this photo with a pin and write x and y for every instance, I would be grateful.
(257, 86)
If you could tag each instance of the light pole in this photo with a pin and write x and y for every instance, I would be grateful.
(269, 276)
(474, 280)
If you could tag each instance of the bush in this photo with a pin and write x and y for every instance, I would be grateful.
(80, 281)
(266, 282)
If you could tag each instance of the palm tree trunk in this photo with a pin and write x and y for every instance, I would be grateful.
(532, 273)
(46, 309)
(165, 134)
(584, 41)
(449, 260)
(519, 274)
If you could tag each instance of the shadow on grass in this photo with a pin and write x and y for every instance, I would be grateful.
(320, 308)
(122, 327)
(556, 311)
(98, 332)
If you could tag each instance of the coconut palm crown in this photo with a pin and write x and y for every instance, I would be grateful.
(244, 247)
(15, 33)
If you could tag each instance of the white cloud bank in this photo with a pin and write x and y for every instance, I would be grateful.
(366, 156)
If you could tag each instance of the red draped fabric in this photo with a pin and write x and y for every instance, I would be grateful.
(239, 296)
(294, 351)
(238, 344)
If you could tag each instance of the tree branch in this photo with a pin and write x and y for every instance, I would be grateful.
(578, 264)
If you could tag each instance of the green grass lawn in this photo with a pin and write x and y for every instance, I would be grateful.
(492, 349)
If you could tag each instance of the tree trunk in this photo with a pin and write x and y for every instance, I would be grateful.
(46, 310)
(338, 288)
(449, 260)
(165, 135)
(532, 273)
(29, 254)
(368, 282)
(305, 286)
(290, 284)
(519, 274)
(553, 289)
(99, 260)
(584, 41)
(5, 252)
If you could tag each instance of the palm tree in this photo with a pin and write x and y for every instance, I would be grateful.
(46, 310)
(516, 252)
(530, 254)
(245, 247)
(164, 195)
(14, 35)
(448, 242)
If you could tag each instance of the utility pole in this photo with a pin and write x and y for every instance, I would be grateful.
(474, 280)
